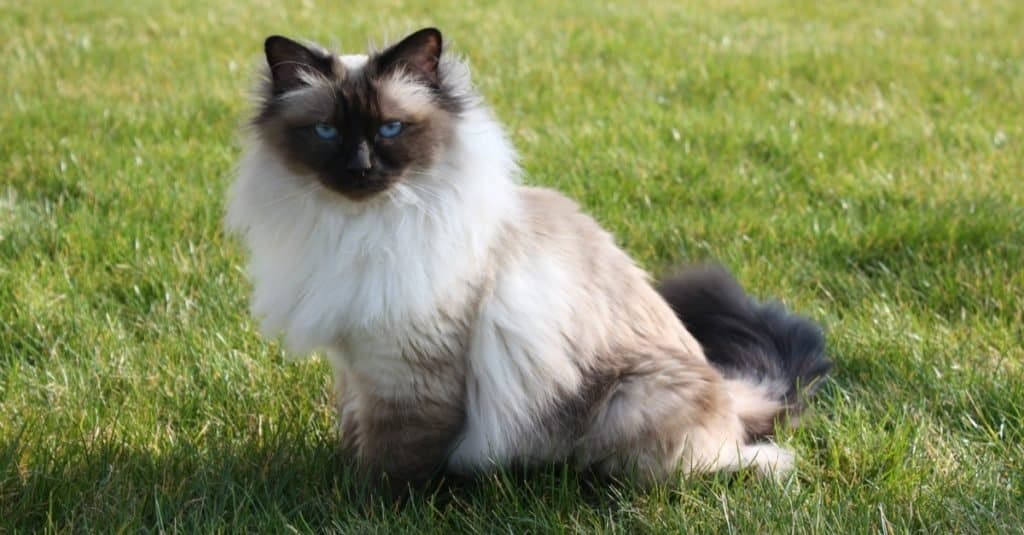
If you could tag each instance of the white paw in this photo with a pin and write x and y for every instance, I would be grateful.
(769, 459)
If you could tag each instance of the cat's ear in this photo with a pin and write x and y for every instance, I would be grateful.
(289, 60)
(418, 54)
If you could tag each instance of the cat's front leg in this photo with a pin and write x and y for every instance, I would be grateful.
(404, 435)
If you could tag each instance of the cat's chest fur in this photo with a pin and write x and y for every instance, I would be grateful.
(384, 282)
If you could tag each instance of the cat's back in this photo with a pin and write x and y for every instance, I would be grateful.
(553, 219)
(598, 278)
(556, 225)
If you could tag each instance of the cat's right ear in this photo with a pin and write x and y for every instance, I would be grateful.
(419, 54)
(289, 61)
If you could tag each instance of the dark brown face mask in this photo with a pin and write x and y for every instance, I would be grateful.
(358, 129)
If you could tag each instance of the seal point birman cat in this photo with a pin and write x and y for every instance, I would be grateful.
(473, 322)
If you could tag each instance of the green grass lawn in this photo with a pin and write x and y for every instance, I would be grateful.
(863, 161)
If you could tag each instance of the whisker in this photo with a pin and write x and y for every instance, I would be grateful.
(301, 191)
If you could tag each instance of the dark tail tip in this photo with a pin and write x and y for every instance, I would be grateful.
(745, 338)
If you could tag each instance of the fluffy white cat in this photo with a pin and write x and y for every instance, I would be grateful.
(473, 322)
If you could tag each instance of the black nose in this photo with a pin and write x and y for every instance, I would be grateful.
(360, 160)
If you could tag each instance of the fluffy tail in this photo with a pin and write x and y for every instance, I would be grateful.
(773, 360)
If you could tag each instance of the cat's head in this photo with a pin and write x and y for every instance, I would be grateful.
(360, 124)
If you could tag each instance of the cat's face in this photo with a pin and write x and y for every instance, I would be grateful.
(357, 125)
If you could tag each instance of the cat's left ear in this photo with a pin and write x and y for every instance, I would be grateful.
(289, 61)
(419, 54)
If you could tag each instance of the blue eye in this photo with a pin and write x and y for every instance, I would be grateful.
(325, 131)
(391, 129)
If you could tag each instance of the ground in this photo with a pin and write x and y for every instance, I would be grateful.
(861, 161)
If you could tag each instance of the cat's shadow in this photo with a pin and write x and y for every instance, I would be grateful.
(291, 479)
(285, 480)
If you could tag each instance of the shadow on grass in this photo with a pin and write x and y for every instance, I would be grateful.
(290, 480)
(282, 482)
(950, 258)
(105, 483)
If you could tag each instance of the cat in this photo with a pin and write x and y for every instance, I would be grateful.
(474, 323)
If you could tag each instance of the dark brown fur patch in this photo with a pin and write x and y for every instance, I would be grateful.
(409, 441)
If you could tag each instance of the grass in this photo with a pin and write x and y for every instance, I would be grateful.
(861, 160)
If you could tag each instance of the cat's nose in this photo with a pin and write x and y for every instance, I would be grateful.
(360, 160)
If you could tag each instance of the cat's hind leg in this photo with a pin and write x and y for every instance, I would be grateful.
(666, 413)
